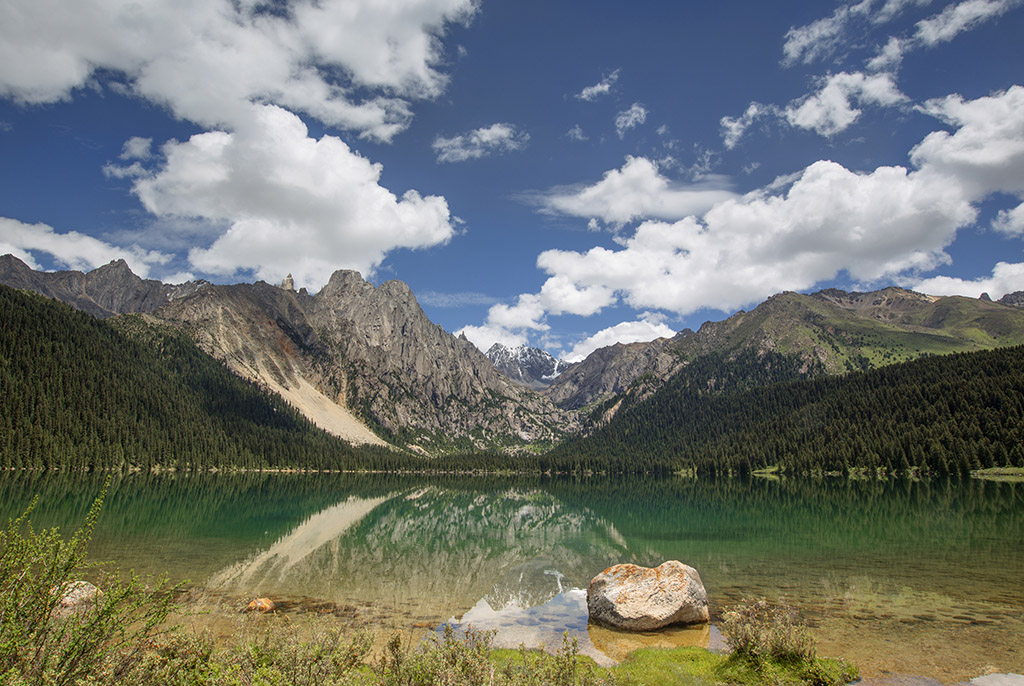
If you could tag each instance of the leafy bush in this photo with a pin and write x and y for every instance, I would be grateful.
(40, 642)
(760, 630)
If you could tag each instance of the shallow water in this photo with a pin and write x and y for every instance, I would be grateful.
(900, 577)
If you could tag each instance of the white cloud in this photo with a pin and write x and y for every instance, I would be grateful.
(831, 109)
(137, 148)
(483, 337)
(959, 17)
(796, 233)
(602, 87)
(803, 229)
(986, 152)
(1006, 278)
(630, 119)
(832, 219)
(290, 203)
(822, 37)
(889, 57)
(636, 190)
(72, 249)
(482, 142)
(828, 111)
(848, 23)
(641, 331)
(576, 133)
(734, 128)
(207, 60)
(893, 8)
(1010, 221)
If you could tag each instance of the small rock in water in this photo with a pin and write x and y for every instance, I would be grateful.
(77, 596)
(261, 605)
(636, 598)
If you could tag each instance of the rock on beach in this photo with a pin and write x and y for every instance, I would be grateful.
(634, 598)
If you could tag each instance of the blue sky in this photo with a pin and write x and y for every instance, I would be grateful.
(561, 174)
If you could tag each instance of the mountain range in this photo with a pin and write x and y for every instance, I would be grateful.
(365, 363)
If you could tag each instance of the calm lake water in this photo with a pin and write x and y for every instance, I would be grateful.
(906, 577)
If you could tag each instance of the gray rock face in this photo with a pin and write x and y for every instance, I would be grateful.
(103, 292)
(374, 351)
(613, 370)
(638, 598)
(1015, 299)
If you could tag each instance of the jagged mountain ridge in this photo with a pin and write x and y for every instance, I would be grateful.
(103, 292)
(831, 332)
(364, 362)
(372, 351)
(530, 367)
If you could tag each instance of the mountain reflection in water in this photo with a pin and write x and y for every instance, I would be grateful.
(915, 577)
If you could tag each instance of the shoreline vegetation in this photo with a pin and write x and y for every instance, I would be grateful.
(121, 636)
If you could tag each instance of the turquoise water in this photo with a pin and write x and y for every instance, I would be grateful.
(899, 576)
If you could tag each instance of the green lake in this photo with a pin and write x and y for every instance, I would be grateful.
(906, 577)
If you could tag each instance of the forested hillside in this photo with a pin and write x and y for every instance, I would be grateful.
(79, 393)
(945, 414)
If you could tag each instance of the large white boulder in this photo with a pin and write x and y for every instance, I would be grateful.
(638, 598)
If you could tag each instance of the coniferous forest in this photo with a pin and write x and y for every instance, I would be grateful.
(81, 393)
(944, 414)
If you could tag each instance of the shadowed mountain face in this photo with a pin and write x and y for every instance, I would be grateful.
(103, 292)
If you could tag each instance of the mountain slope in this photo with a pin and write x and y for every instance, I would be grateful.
(945, 414)
(80, 393)
(830, 332)
(373, 351)
(103, 292)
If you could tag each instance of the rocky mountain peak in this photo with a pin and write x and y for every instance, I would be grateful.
(530, 367)
(103, 292)
(342, 282)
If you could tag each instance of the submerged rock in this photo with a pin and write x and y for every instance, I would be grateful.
(78, 596)
(636, 598)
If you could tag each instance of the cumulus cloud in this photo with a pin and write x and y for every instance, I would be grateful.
(602, 87)
(287, 203)
(636, 190)
(482, 142)
(137, 148)
(649, 327)
(828, 111)
(830, 220)
(892, 223)
(986, 152)
(630, 119)
(484, 336)
(831, 109)
(207, 60)
(1010, 222)
(72, 250)
(1006, 278)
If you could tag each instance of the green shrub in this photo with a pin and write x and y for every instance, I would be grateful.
(760, 630)
(42, 644)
